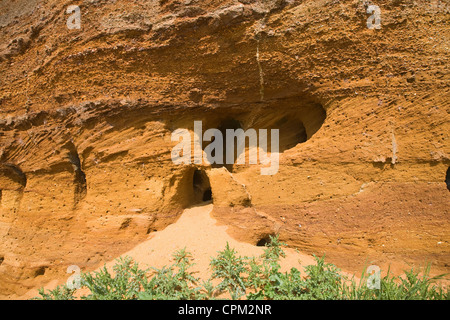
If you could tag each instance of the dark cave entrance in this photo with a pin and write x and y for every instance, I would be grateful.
(207, 195)
(224, 125)
(201, 186)
(292, 132)
(264, 241)
(447, 178)
(295, 126)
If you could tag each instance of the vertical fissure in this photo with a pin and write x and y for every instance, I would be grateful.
(79, 175)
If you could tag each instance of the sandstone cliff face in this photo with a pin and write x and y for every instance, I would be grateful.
(86, 117)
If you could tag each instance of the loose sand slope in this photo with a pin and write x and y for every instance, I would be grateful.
(203, 237)
(199, 232)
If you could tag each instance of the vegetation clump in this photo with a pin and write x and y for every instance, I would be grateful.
(245, 278)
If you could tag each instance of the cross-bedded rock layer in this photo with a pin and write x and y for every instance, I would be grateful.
(86, 118)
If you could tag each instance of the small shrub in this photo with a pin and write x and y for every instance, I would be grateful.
(323, 282)
(175, 282)
(59, 293)
(124, 285)
(411, 286)
(230, 268)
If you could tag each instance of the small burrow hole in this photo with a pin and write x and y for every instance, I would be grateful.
(39, 271)
(264, 241)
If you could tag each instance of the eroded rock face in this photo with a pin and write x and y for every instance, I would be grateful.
(87, 116)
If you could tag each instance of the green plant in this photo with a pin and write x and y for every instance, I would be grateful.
(175, 282)
(124, 285)
(323, 281)
(230, 268)
(252, 278)
(412, 286)
(264, 276)
(59, 293)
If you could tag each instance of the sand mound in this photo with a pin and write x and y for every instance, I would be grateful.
(200, 233)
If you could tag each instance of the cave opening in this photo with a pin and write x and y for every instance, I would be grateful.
(447, 178)
(201, 186)
(264, 241)
(232, 124)
(292, 132)
(295, 126)
(207, 195)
